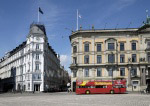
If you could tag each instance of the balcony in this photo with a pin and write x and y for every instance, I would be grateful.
(73, 65)
(135, 76)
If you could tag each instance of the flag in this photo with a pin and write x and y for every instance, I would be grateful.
(40, 11)
(79, 15)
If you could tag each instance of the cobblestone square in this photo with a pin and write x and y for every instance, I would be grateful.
(71, 99)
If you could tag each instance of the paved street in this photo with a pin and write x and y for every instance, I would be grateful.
(70, 99)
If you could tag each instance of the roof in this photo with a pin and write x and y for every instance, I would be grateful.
(104, 31)
(51, 49)
(14, 51)
(37, 29)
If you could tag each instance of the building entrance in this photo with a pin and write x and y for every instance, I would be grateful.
(36, 87)
(74, 86)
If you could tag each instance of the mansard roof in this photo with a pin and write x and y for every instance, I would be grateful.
(37, 29)
(51, 49)
(21, 46)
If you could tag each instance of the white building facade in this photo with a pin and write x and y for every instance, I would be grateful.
(33, 65)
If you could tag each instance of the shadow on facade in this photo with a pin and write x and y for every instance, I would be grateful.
(8, 84)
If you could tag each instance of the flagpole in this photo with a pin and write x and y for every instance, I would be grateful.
(147, 13)
(77, 19)
(38, 15)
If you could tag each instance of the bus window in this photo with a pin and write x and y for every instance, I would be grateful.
(101, 86)
(92, 86)
(104, 86)
(86, 87)
(119, 86)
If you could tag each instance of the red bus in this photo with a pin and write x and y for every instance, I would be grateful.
(100, 86)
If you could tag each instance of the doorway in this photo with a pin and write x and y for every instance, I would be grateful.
(74, 86)
(37, 87)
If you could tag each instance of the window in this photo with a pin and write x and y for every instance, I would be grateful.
(148, 45)
(74, 74)
(122, 71)
(28, 86)
(110, 46)
(101, 86)
(99, 59)
(37, 47)
(39, 76)
(86, 59)
(135, 82)
(34, 76)
(111, 58)
(74, 49)
(148, 57)
(22, 52)
(122, 58)
(86, 72)
(133, 57)
(110, 72)
(74, 60)
(86, 47)
(37, 67)
(133, 46)
(134, 72)
(37, 56)
(121, 46)
(98, 47)
(21, 70)
(99, 72)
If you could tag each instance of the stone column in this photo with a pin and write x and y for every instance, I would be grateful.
(93, 73)
(129, 76)
(144, 77)
(80, 73)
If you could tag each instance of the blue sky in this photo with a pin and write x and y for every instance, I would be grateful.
(17, 15)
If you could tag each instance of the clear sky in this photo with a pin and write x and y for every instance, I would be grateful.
(17, 15)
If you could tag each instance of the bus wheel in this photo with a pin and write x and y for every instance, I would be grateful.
(112, 92)
(87, 92)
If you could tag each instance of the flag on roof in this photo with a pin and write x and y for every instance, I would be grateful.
(40, 11)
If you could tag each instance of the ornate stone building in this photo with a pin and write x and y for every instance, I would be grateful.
(33, 65)
(108, 54)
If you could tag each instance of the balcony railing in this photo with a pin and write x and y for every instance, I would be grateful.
(73, 64)
(137, 76)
